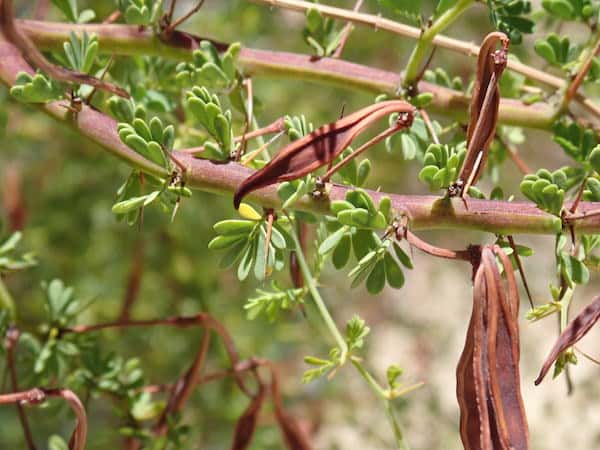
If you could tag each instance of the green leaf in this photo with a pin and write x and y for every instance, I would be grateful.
(402, 256)
(356, 331)
(68, 8)
(393, 372)
(393, 273)
(594, 159)
(376, 279)
(341, 254)
(332, 241)
(55, 442)
(234, 227)
(134, 203)
(34, 89)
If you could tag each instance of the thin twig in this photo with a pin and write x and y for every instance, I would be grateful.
(415, 241)
(511, 241)
(429, 126)
(10, 342)
(41, 9)
(581, 74)
(112, 17)
(37, 396)
(171, 27)
(200, 319)
(252, 156)
(275, 127)
(346, 32)
(184, 387)
(89, 98)
(514, 155)
(134, 279)
(579, 196)
(171, 11)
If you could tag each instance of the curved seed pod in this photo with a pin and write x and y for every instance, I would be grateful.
(320, 147)
(576, 330)
(484, 107)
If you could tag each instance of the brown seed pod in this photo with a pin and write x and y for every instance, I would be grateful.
(576, 330)
(492, 415)
(321, 147)
(484, 107)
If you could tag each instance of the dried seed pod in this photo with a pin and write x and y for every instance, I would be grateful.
(488, 380)
(484, 108)
(321, 147)
(576, 330)
(246, 424)
(294, 436)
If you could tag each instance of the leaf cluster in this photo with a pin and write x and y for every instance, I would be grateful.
(209, 68)
(441, 165)
(246, 242)
(207, 111)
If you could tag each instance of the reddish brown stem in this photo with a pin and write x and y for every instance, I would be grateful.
(12, 197)
(579, 196)
(248, 119)
(184, 387)
(113, 17)
(200, 319)
(585, 68)
(36, 396)
(346, 33)
(10, 342)
(134, 280)
(514, 156)
(171, 27)
(415, 241)
(429, 126)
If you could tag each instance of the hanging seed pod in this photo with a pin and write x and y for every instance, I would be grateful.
(576, 330)
(246, 424)
(492, 415)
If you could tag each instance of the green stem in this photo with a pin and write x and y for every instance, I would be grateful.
(323, 311)
(565, 302)
(341, 342)
(6, 300)
(370, 380)
(398, 433)
(423, 46)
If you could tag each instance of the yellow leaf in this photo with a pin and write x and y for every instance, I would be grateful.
(248, 212)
